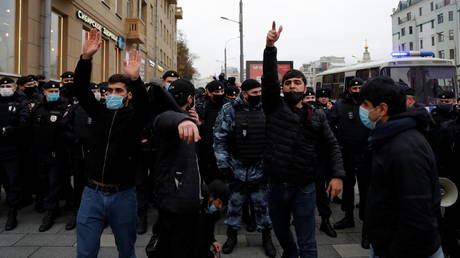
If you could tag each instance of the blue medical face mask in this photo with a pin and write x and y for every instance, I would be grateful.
(114, 102)
(167, 86)
(52, 97)
(364, 115)
(212, 209)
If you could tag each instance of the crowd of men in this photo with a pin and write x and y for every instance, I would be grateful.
(265, 154)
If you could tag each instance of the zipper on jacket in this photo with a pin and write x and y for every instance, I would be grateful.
(108, 144)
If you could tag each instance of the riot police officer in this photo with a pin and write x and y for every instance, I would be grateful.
(323, 100)
(232, 92)
(14, 117)
(67, 85)
(51, 133)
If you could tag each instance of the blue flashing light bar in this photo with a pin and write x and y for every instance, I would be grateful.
(400, 54)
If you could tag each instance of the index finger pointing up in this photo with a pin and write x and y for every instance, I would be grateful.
(274, 26)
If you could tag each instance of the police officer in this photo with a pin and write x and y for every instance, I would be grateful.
(239, 144)
(310, 97)
(66, 84)
(27, 85)
(232, 92)
(447, 97)
(168, 78)
(81, 124)
(352, 136)
(14, 117)
(323, 100)
(208, 108)
(51, 133)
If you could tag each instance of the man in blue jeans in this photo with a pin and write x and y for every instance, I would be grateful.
(294, 133)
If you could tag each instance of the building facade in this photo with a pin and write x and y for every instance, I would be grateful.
(311, 69)
(46, 36)
(427, 25)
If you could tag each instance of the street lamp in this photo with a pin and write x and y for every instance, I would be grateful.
(225, 53)
(240, 23)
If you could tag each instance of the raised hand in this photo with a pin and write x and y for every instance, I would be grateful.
(132, 65)
(273, 35)
(92, 43)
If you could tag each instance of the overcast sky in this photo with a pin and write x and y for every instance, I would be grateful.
(311, 29)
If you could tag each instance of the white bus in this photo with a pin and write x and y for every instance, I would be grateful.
(427, 75)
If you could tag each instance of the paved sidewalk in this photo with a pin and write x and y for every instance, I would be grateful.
(26, 241)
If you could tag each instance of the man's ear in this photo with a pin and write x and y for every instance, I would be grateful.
(130, 96)
(384, 109)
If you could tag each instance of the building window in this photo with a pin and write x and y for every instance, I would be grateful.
(432, 6)
(451, 34)
(411, 46)
(421, 28)
(432, 41)
(451, 15)
(442, 54)
(399, 20)
(440, 18)
(452, 54)
(56, 45)
(403, 32)
(118, 6)
(441, 37)
(421, 44)
(403, 47)
(409, 16)
(420, 11)
(128, 8)
(410, 30)
(9, 36)
(432, 24)
(117, 60)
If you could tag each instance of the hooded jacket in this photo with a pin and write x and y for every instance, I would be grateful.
(403, 205)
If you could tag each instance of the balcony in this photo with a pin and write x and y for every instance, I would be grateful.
(172, 1)
(135, 30)
(179, 13)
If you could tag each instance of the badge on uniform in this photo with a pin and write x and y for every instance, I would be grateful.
(350, 115)
(53, 118)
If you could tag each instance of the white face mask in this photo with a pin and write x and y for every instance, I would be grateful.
(6, 92)
(97, 95)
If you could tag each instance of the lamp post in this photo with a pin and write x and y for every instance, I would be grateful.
(240, 23)
(225, 53)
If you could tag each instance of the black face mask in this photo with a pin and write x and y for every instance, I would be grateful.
(312, 103)
(293, 98)
(356, 96)
(218, 99)
(254, 100)
(29, 91)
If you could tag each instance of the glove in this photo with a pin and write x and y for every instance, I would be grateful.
(227, 173)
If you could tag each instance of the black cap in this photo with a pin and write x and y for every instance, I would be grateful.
(182, 86)
(170, 73)
(310, 92)
(24, 79)
(214, 85)
(355, 82)
(250, 84)
(232, 90)
(219, 190)
(67, 75)
(6, 80)
(103, 87)
(41, 77)
(51, 85)
(231, 81)
(324, 92)
(93, 86)
(447, 95)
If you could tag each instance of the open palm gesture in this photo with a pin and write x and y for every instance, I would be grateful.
(132, 65)
(92, 43)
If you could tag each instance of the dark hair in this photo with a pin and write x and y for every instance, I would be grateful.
(120, 78)
(219, 190)
(383, 89)
(294, 74)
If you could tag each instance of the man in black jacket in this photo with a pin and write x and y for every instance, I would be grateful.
(403, 210)
(294, 132)
(110, 197)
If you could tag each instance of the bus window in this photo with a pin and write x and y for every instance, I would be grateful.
(428, 81)
(318, 85)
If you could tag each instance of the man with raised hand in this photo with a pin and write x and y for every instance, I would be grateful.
(110, 197)
(294, 132)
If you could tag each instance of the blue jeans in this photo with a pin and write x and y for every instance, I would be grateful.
(437, 254)
(286, 202)
(97, 209)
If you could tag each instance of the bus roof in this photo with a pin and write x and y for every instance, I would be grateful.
(406, 61)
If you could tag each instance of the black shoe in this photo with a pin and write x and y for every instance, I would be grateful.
(365, 243)
(152, 249)
(48, 221)
(232, 239)
(347, 222)
(72, 223)
(327, 228)
(11, 222)
(267, 243)
(142, 222)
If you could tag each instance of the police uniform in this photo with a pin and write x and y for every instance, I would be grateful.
(67, 90)
(232, 92)
(51, 133)
(14, 117)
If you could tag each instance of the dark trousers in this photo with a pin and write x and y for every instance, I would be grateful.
(144, 173)
(178, 235)
(285, 203)
(357, 167)
(49, 180)
(10, 174)
(322, 200)
(78, 170)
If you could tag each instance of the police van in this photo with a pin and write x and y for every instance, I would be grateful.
(427, 75)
